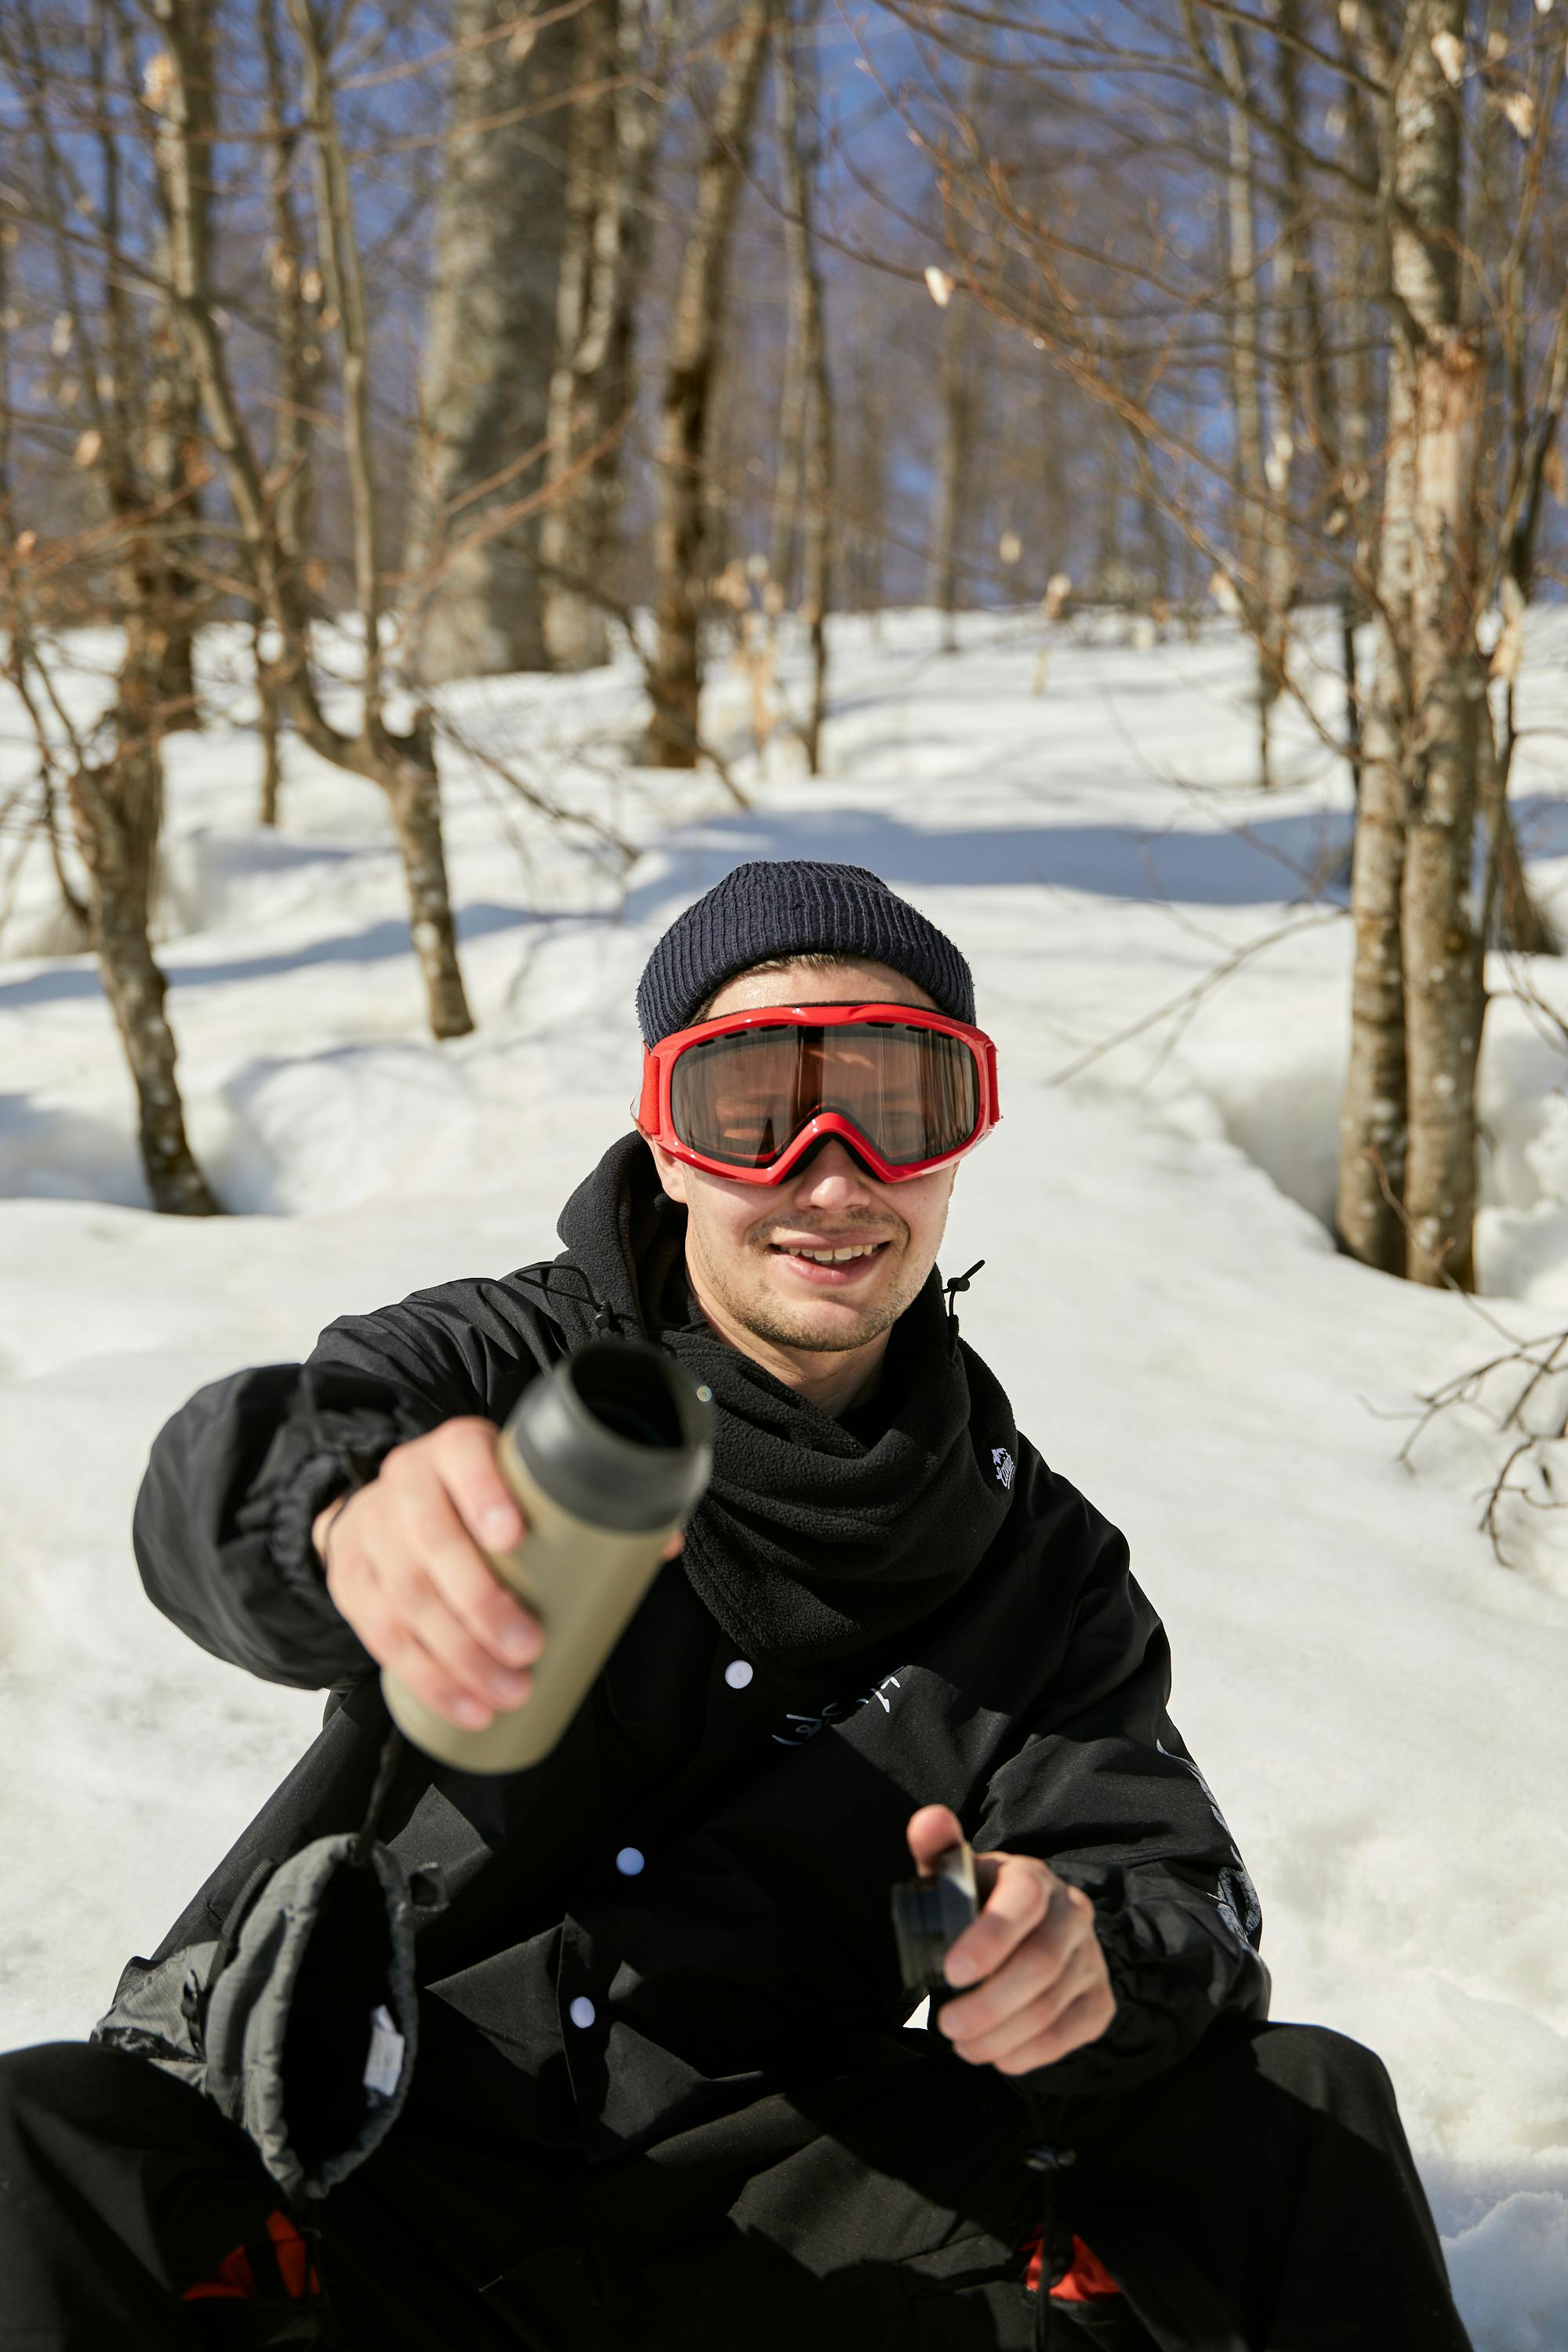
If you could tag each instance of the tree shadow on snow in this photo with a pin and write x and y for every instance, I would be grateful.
(1273, 859)
(377, 943)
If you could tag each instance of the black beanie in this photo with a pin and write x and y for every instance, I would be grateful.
(789, 907)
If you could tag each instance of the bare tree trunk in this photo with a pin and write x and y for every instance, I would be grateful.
(297, 328)
(296, 305)
(1407, 1134)
(955, 408)
(808, 344)
(1256, 534)
(790, 437)
(271, 724)
(158, 464)
(609, 166)
(1056, 520)
(675, 674)
(868, 421)
(412, 786)
(172, 467)
(116, 814)
(1514, 918)
(402, 765)
(1445, 999)
(116, 801)
(475, 606)
(1373, 1123)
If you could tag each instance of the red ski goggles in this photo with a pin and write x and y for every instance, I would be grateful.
(747, 1095)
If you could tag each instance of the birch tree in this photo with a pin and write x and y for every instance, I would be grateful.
(955, 441)
(296, 288)
(1407, 1186)
(680, 553)
(401, 763)
(476, 604)
(112, 774)
(610, 156)
(806, 471)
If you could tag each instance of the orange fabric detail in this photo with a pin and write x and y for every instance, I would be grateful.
(293, 2262)
(1087, 2279)
(1084, 2281)
(233, 2282)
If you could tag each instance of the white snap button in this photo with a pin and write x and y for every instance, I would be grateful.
(628, 1861)
(737, 1673)
(581, 2012)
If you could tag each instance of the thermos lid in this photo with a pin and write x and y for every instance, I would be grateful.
(619, 1434)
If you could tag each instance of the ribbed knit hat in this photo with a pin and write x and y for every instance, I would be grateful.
(794, 906)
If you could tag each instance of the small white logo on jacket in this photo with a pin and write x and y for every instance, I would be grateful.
(1004, 1461)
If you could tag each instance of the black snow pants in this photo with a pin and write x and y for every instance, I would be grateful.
(1258, 2197)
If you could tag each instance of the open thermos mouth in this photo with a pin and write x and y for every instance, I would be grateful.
(628, 1392)
(619, 1436)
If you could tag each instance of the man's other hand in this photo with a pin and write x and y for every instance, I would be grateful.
(1041, 1987)
(406, 1565)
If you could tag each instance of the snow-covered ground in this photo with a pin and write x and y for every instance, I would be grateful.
(1378, 1703)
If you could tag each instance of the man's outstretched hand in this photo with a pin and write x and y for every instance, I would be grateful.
(1041, 1986)
(406, 1565)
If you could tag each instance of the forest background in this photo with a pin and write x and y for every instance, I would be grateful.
(505, 328)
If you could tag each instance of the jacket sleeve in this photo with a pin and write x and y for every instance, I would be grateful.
(1103, 1788)
(222, 1525)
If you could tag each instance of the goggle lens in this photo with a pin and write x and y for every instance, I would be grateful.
(741, 1100)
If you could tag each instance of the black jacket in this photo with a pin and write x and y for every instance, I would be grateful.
(753, 1952)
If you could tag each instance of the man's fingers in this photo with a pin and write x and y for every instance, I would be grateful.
(1014, 1909)
(930, 1832)
(1083, 2020)
(419, 1671)
(426, 1614)
(1023, 1998)
(1037, 1971)
(463, 1455)
(432, 1541)
(384, 1629)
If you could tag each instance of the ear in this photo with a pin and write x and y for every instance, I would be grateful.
(671, 1173)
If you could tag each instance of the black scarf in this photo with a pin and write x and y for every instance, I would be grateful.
(811, 1543)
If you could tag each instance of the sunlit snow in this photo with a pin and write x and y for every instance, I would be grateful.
(1378, 1704)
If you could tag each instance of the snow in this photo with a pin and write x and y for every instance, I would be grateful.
(1376, 1700)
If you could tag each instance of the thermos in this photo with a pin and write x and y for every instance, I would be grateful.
(606, 1455)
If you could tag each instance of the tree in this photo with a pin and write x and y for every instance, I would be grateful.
(1408, 1132)
(610, 155)
(296, 288)
(402, 764)
(477, 606)
(679, 548)
(112, 778)
(805, 470)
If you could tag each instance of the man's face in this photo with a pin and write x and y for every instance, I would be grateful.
(761, 1252)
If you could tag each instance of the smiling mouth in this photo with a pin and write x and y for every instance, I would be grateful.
(840, 1254)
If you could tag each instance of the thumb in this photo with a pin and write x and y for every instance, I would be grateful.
(931, 1832)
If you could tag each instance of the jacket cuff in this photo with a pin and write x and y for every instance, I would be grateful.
(1173, 1972)
(341, 1470)
(332, 1442)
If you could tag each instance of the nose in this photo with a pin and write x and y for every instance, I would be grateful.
(831, 1177)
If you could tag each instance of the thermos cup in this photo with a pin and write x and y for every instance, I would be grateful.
(606, 1455)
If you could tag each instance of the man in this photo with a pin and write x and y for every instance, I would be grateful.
(665, 2095)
